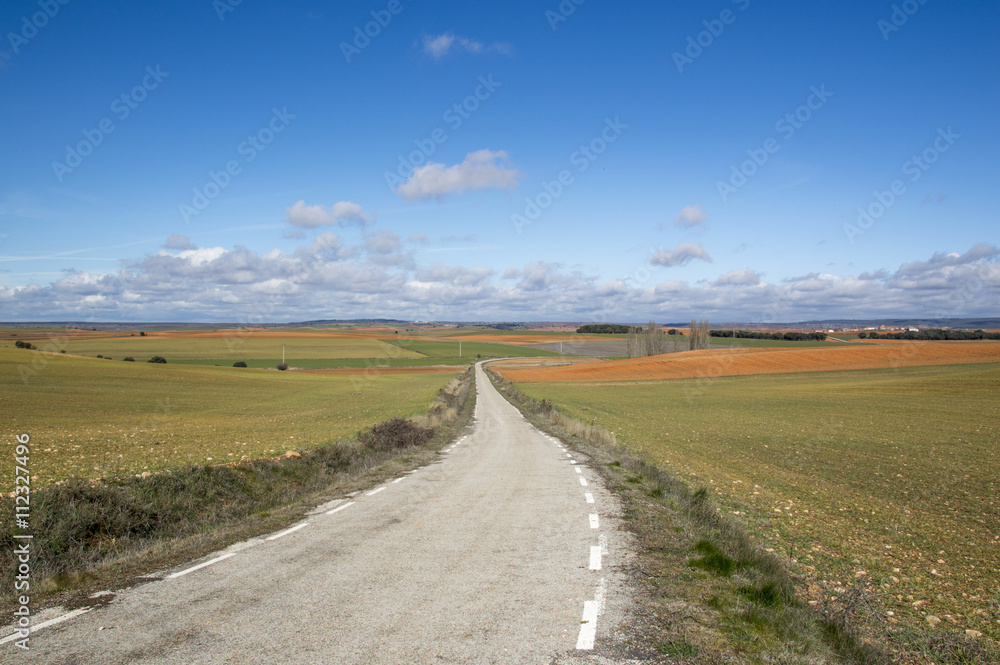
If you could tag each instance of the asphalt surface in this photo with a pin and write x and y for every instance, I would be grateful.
(504, 551)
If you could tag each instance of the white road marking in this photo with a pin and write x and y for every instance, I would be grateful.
(339, 508)
(398, 479)
(287, 531)
(593, 521)
(375, 491)
(589, 497)
(200, 566)
(588, 626)
(50, 622)
(595, 557)
(569, 455)
(583, 481)
(577, 469)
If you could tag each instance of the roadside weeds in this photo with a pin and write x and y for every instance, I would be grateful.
(109, 534)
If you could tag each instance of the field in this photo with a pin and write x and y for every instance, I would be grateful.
(94, 418)
(886, 478)
(446, 348)
(708, 364)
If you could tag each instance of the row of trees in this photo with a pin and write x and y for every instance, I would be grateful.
(787, 337)
(604, 329)
(648, 341)
(933, 334)
(698, 334)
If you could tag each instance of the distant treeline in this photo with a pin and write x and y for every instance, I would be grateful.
(604, 329)
(932, 334)
(787, 337)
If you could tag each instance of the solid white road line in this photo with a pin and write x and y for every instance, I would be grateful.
(50, 622)
(339, 508)
(593, 521)
(589, 497)
(200, 566)
(287, 531)
(375, 491)
(398, 479)
(595, 557)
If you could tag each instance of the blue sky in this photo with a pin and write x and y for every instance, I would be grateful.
(212, 161)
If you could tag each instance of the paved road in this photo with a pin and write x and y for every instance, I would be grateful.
(498, 553)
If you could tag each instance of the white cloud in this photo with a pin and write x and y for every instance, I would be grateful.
(380, 279)
(744, 277)
(691, 215)
(177, 241)
(681, 255)
(441, 45)
(314, 216)
(483, 169)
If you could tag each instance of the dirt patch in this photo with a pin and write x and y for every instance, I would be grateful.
(740, 362)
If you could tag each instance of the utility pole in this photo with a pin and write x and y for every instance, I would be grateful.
(459, 348)
(282, 353)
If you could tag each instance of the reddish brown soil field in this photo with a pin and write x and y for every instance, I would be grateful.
(738, 362)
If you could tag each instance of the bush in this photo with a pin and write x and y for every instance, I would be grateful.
(395, 434)
(99, 355)
(24, 345)
(158, 359)
(282, 366)
(239, 363)
(129, 359)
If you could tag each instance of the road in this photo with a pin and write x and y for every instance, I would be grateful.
(503, 551)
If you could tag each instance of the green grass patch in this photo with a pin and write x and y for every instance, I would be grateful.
(882, 479)
(448, 349)
(91, 418)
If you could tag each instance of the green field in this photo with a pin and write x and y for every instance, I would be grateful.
(255, 350)
(895, 473)
(95, 418)
(449, 349)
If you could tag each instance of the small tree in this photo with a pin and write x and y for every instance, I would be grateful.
(282, 366)
(158, 359)
(239, 363)
(862, 335)
(128, 359)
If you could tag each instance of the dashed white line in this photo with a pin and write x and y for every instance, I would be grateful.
(340, 507)
(287, 531)
(588, 626)
(593, 521)
(172, 576)
(595, 557)
(589, 497)
(375, 491)
(50, 622)
(583, 481)
(577, 469)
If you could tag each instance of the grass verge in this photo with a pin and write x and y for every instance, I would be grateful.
(90, 535)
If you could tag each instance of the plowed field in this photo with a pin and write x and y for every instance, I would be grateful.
(741, 362)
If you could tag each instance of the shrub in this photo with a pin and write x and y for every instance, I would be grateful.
(282, 366)
(129, 359)
(862, 335)
(158, 359)
(239, 363)
(395, 434)
(99, 355)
